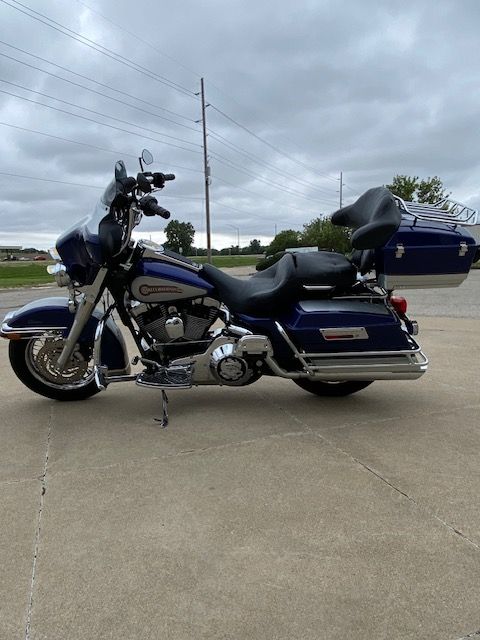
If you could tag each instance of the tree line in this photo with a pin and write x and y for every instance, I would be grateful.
(319, 232)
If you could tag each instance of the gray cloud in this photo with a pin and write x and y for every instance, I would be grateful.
(369, 88)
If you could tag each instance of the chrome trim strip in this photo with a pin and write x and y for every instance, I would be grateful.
(318, 287)
(8, 329)
(335, 334)
(363, 296)
(126, 378)
(366, 354)
(424, 281)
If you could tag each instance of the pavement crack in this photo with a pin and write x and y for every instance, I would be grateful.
(446, 524)
(43, 480)
(475, 634)
(133, 462)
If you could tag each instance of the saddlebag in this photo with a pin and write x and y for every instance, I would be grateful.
(345, 324)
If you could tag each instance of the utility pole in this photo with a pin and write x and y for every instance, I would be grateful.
(341, 189)
(206, 170)
(238, 235)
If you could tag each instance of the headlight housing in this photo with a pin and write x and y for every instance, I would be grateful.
(59, 272)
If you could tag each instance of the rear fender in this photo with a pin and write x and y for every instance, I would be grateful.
(53, 315)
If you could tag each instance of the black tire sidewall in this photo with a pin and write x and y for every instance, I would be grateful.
(338, 389)
(18, 359)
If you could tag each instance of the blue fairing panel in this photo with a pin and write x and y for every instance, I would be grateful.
(53, 313)
(178, 274)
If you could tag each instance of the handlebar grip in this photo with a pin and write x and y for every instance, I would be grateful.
(150, 207)
(159, 179)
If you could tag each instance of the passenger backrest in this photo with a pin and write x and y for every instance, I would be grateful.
(374, 218)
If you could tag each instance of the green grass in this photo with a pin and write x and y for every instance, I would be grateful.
(24, 274)
(228, 261)
(28, 274)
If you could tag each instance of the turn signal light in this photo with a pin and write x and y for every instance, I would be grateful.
(399, 304)
(11, 336)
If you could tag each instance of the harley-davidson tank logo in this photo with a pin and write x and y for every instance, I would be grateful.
(148, 290)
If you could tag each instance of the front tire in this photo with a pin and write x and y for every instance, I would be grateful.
(33, 362)
(332, 389)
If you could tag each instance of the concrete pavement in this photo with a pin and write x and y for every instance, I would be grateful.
(261, 512)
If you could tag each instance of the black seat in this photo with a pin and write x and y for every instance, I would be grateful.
(268, 292)
(324, 268)
(374, 217)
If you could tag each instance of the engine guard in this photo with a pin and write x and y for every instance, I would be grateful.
(52, 315)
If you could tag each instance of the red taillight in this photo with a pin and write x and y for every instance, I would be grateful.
(399, 304)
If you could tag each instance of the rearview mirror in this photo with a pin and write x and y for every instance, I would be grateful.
(147, 157)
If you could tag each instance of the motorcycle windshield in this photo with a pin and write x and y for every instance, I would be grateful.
(80, 245)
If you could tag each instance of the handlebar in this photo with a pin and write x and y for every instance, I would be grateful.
(146, 179)
(150, 207)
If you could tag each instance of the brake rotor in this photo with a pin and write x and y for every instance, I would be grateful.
(46, 363)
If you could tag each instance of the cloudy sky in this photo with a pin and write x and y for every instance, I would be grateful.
(369, 88)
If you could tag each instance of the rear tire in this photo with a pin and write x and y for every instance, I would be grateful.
(21, 354)
(332, 389)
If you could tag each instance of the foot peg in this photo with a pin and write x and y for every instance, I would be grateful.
(166, 378)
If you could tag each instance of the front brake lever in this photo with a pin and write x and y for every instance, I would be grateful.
(144, 183)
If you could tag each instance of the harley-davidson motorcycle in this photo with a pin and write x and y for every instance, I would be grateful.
(328, 323)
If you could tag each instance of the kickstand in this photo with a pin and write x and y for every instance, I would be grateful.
(164, 419)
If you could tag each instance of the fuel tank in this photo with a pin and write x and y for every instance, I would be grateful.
(162, 280)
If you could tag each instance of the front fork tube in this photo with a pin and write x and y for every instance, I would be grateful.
(85, 308)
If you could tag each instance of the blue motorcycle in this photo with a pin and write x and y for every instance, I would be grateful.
(329, 323)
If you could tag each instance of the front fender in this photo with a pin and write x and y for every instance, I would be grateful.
(52, 314)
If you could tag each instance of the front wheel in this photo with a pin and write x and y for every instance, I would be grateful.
(34, 363)
(336, 389)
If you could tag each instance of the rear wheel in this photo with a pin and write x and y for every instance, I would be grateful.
(342, 388)
(34, 363)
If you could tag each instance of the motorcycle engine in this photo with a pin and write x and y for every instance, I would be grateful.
(189, 320)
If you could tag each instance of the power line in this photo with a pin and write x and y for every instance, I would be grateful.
(139, 68)
(268, 144)
(92, 146)
(70, 184)
(99, 48)
(253, 215)
(276, 185)
(99, 113)
(348, 187)
(100, 84)
(99, 93)
(194, 73)
(104, 124)
(162, 53)
(79, 184)
(137, 37)
(258, 195)
(230, 145)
